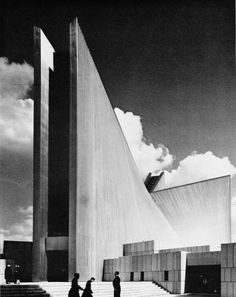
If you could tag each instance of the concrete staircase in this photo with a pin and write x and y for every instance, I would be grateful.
(29, 290)
(105, 289)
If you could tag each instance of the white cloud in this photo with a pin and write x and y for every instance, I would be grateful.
(21, 231)
(16, 114)
(15, 79)
(27, 210)
(147, 157)
(197, 167)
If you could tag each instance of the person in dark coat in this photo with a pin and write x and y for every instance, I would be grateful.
(116, 284)
(88, 291)
(8, 273)
(74, 290)
(17, 274)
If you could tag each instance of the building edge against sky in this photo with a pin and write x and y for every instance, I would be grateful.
(198, 211)
(106, 204)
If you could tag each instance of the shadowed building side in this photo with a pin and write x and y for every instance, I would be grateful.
(43, 61)
(109, 204)
(199, 212)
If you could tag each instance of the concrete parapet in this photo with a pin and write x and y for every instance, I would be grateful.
(139, 248)
(204, 258)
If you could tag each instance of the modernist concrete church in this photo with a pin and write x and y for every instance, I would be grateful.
(89, 199)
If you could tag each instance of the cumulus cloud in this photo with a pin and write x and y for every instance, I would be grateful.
(197, 167)
(16, 114)
(16, 137)
(147, 157)
(26, 211)
(21, 231)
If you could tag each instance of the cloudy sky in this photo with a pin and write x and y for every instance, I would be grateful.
(168, 68)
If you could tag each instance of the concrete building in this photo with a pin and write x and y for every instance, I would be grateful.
(88, 195)
(193, 269)
(89, 199)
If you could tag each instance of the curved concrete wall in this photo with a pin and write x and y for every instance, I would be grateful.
(199, 212)
(109, 205)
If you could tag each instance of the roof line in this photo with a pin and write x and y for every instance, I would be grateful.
(201, 181)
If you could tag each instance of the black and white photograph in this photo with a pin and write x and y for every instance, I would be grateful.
(117, 148)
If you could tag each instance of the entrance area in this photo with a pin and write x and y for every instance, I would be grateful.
(57, 265)
(203, 279)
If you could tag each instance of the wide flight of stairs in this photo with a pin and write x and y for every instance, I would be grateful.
(105, 289)
(100, 289)
(29, 290)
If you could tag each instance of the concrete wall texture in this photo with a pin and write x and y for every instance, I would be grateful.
(109, 204)
(153, 267)
(228, 270)
(199, 212)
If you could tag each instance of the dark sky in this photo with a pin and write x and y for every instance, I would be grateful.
(171, 62)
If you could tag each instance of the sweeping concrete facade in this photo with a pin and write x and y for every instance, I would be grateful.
(199, 212)
(89, 199)
(108, 203)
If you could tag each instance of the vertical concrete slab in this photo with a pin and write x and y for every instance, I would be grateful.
(227, 275)
(222, 274)
(135, 263)
(230, 255)
(43, 63)
(140, 263)
(230, 289)
(163, 261)
(224, 290)
(106, 265)
(177, 275)
(234, 289)
(132, 249)
(233, 274)
(224, 262)
(155, 276)
(170, 257)
(136, 276)
(234, 258)
(149, 262)
(104, 183)
(154, 262)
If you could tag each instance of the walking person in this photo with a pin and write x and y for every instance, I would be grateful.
(88, 291)
(74, 290)
(116, 284)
